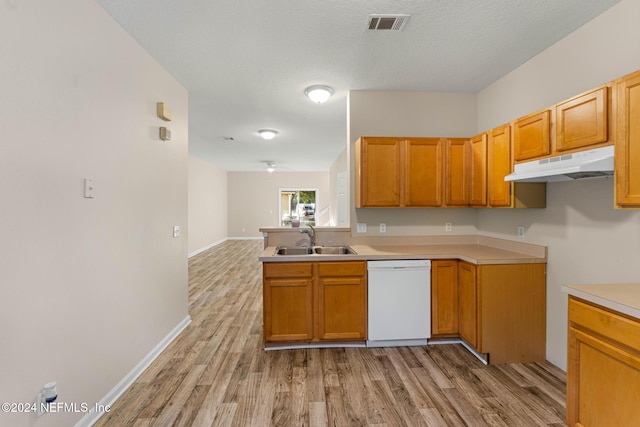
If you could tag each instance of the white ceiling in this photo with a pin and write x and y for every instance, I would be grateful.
(246, 63)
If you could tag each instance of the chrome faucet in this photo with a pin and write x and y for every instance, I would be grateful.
(312, 234)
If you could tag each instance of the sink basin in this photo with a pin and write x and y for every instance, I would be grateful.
(334, 250)
(315, 250)
(295, 250)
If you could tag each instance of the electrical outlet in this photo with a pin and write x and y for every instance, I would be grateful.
(521, 232)
(448, 226)
(176, 231)
(361, 227)
(383, 228)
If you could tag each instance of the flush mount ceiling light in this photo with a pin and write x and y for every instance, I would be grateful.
(318, 93)
(268, 133)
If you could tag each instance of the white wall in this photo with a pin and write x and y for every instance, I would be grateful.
(89, 286)
(589, 241)
(254, 198)
(396, 113)
(207, 205)
(340, 165)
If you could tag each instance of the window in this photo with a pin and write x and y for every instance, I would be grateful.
(298, 206)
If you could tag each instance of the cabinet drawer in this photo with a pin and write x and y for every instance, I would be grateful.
(289, 269)
(342, 269)
(614, 326)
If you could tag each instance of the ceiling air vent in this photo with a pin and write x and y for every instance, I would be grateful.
(387, 22)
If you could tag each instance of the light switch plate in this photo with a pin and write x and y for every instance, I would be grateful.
(361, 227)
(176, 231)
(89, 191)
(520, 232)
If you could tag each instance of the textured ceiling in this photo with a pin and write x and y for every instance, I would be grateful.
(246, 63)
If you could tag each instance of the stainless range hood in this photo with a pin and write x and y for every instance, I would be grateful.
(594, 163)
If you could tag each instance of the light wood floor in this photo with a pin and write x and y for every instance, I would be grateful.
(216, 372)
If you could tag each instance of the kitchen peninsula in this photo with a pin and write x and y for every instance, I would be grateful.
(489, 293)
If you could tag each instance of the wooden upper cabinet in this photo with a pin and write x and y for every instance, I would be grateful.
(379, 172)
(478, 163)
(627, 148)
(457, 165)
(531, 136)
(423, 172)
(582, 121)
(399, 172)
(499, 161)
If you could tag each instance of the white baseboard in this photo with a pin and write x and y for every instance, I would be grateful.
(246, 238)
(92, 416)
(197, 251)
(480, 357)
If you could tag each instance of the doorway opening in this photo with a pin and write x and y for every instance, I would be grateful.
(298, 206)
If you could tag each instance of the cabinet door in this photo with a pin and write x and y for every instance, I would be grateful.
(627, 158)
(531, 136)
(582, 120)
(287, 301)
(478, 190)
(499, 166)
(468, 303)
(379, 172)
(423, 172)
(444, 298)
(342, 301)
(457, 172)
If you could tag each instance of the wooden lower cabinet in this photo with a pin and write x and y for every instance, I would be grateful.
(444, 298)
(342, 301)
(500, 309)
(288, 301)
(468, 300)
(512, 308)
(603, 370)
(314, 301)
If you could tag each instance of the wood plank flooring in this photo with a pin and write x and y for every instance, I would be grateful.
(216, 372)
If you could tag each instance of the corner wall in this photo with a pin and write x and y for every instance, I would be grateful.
(207, 205)
(89, 286)
(589, 241)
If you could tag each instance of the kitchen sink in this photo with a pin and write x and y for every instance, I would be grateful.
(293, 250)
(314, 250)
(334, 250)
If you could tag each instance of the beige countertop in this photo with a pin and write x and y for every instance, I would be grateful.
(474, 253)
(621, 297)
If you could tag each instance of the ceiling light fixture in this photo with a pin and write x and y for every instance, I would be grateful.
(318, 93)
(268, 133)
(271, 167)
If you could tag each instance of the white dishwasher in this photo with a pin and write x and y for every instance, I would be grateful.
(399, 302)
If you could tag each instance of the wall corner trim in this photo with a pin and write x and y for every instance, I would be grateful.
(92, 416)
